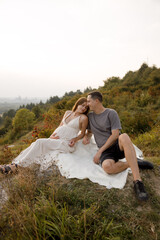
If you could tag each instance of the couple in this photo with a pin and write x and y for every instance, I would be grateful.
(78, 124)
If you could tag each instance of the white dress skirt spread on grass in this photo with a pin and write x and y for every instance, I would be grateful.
(73, 162)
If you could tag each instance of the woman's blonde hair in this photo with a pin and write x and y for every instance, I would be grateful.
(80, 101)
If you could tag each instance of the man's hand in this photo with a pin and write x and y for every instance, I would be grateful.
(96, 158)
(54, 136)
(86, 140)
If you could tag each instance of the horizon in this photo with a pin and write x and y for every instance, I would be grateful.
(82, 90)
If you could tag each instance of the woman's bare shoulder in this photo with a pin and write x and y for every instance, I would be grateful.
(84, 117)
(67, 112)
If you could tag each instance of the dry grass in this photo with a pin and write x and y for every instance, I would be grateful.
(48, 206)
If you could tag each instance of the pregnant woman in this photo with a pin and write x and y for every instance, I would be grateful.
(44, 151)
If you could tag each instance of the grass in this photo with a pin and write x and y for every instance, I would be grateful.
(44, 206)
(7, 153)
(149, 142)
(48, 206)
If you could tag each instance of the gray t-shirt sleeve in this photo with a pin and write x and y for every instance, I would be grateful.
(114, 120)
(88, 126)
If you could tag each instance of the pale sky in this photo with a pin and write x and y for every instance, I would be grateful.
(49, 47)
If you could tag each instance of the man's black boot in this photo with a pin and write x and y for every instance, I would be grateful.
(141, 194)
(142, 164)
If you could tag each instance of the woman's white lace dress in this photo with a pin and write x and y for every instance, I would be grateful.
(73, 162)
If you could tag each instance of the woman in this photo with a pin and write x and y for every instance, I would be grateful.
(45, 151)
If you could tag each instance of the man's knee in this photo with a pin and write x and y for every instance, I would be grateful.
(107, 166)
(124, 138)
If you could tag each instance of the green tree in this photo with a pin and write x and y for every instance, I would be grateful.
(7, 122)
(11, 113)
(23, 120)
(37, 111)
(53, 99)
(1, 120)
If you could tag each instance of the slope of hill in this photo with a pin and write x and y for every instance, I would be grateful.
(45, 205)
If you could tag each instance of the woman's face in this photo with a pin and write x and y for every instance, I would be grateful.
(82, 108)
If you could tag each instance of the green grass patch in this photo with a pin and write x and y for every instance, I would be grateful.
(43, 206)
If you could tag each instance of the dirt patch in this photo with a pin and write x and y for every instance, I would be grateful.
(3, 193)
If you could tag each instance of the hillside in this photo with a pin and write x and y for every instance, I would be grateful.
(45, 205)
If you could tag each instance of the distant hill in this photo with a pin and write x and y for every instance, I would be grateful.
(14, 103)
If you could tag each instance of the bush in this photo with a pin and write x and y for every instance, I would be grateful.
(149, 142)
(23, 120)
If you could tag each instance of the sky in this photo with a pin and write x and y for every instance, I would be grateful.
(49, 47)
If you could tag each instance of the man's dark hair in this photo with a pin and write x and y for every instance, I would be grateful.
(96, 95)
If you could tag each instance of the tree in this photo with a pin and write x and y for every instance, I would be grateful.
(7, 122)
(53, 99)
(30, 106)
(88, 89)
(11, 113)
(23, 120)
(37, 111)
(1, 120)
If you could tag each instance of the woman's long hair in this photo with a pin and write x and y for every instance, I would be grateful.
(80, 101)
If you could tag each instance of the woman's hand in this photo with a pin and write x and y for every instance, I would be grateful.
(54, 136)
(72, 142)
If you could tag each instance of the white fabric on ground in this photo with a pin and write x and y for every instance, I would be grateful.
(76, 162)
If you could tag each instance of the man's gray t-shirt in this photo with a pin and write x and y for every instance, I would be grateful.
(102, 125)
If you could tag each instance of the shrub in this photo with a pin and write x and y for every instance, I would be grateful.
(149, 142)
(23, 120)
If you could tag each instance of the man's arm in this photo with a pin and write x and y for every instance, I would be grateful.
(109, 142)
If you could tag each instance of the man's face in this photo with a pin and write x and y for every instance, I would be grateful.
(91, 103)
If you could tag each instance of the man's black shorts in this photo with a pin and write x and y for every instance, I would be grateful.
(113, 152)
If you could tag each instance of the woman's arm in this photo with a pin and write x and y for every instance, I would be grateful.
(87, 137)
(83, 125)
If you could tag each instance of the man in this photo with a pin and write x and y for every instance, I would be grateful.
(104, 123)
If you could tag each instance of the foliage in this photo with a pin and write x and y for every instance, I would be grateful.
(7, 122)
(51, 120)
(3, 131)
(48, 206)
(135, 97)
(23, 120)
(53, 99)
(6, 154)
(51, 207)
(71, 93)
(1, 120)
(88, 89)
(149, 142)
(11, 113)
(37, 111)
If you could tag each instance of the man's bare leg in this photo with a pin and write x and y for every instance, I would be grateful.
(126, 145)
(112, 167)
